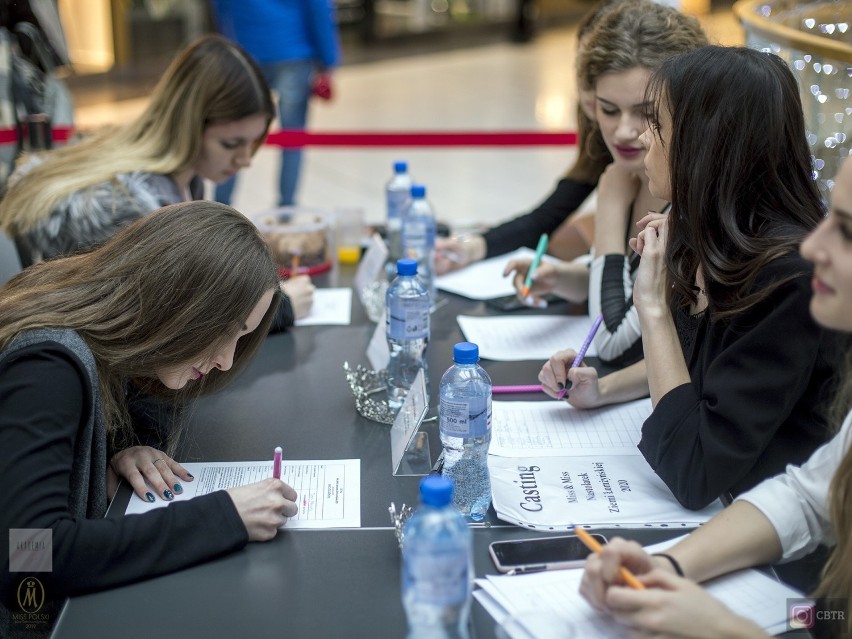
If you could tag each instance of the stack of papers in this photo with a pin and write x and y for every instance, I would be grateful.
(553, 466)
(548, 605)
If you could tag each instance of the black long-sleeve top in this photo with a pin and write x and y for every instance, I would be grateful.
(759, 384)
(43, 391)
(525, 230)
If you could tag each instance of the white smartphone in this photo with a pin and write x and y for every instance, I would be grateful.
(541, 553)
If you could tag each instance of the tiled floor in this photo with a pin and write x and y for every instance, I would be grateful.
(488, 88)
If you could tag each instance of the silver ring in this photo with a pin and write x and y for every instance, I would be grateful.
(157, 460)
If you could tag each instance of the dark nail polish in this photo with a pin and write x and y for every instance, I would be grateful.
(168, 495)
(149, 497)
(178, 488)
(560, 385)
(191, 476)
(568, 385)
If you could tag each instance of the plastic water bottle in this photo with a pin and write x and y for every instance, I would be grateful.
(397, 192)
(407, 322)
(464, 418)
(437, 565)
(418, 236)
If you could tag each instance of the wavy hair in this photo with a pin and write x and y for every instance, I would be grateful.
(212, 81)
(637, 34)
(175, 285)
(741, 173)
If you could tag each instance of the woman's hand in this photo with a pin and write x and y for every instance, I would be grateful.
(149, 471)
(545, 280)
(300, 290)
(649, 292)
(676, 608)
(584, 391)
(453, 253)
(264, 507)
(603, 570)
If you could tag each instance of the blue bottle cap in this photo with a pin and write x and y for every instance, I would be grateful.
(400, 167)
(436, 490)
(406, 267)
(465, 353)
(418, 191)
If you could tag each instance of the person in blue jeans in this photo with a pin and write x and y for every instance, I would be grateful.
(297, 46)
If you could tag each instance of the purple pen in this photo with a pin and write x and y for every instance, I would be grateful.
(276, 463)
(582, 353)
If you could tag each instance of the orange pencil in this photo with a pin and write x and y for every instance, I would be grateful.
(294, 267)
(595, 547)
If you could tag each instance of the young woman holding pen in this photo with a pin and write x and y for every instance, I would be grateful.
(781, 519)
(172, 306)
(737, 370)
(206, 118)
(626, 45)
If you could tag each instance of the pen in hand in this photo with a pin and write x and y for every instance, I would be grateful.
(582, 353)
(276, 463)
(539, 252)
(628, 577)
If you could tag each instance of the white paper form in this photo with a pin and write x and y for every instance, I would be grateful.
(555, 493)
(484, 280)
(332, 306)
(329, 492)
(557, 610)
(515, 338)
(552, 429)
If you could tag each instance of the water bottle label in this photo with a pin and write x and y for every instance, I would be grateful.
(395, 201)
(438, 578)
(418, 235)
(466, 418)
(409, 319)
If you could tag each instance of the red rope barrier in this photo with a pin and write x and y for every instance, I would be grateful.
(300, 139)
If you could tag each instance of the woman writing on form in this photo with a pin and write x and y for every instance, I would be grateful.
(172, 306)
(781, 519)
(736, 368)
(206, 118)
(626, 45)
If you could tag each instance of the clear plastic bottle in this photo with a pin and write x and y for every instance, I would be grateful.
(397, 193)
(407, 305)
(437, 565)
(418, 236)
(464, 418)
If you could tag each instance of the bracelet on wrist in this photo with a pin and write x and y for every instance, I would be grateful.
(674, 562)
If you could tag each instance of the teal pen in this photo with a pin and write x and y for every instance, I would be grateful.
(539, 252)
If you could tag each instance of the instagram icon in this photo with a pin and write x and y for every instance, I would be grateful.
(801, 615)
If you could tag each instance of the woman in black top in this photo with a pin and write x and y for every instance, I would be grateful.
(172, 306)
(736, 367)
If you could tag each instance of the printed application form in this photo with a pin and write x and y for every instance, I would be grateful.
(484, 280)
(329, 492)
(516, 338)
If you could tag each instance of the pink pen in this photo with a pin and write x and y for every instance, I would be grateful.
(276, 463)
(582, 353)
(536, 388)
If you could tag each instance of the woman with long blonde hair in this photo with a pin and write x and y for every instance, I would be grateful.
(206, 118)
(174, 305)
(782, 518)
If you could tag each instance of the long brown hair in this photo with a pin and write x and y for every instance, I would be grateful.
(741, 185)
(165, 290)
(837, 578)
(212, 81)
(592, 155)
